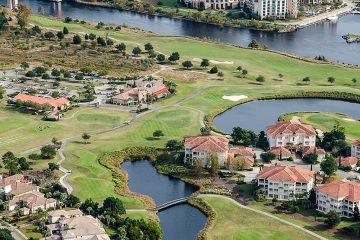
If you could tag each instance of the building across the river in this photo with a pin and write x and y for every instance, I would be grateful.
(214, 4)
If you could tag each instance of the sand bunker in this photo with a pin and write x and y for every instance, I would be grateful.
(235, 98)
(349, 119)
(214, 61)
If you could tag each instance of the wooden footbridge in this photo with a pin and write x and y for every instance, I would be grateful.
(169, 204)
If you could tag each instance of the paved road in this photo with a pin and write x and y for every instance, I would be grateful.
(266, 214)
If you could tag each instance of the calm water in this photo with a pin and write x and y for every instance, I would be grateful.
(181, 222)
(256, 115)
(320, 39)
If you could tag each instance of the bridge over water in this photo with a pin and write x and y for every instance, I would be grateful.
(169, 204)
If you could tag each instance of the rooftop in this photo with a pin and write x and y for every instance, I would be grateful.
(207, 143)
(41, 101)
(347, 161)
(290, 127)
(342, 189)
(286, 173)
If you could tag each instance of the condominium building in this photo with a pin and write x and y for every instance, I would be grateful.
(340, 196)
(285, 182)
(355, 149)
(274, 9)
(291, 134)
(202, 146)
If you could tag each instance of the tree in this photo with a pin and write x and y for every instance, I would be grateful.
(197, 164)
(175, 56)
(41, 10)
(356, 213)
(329, 165)
(260, 79)
(65, 30)
(92, 36)
(23, 15)
(214, 70)
(67, 74)
(332, 219)
(90, 207)
(312, 196)
(5, 234)
(262, 141)
(49, 35)
(136, 51)
(3, 21)
(187, 64)
(55, 72)
(174, 145)
(243, 136)
(204, 63)
(77, 39)
(86, 137)
(254, 44)
(30, 74)
(113, 206)
(306, 79)
(48, 152)
(160, 57)
(244, 72)
(354, 80)
(239, 68)
(310, 158)
(157, 134)
(72, 200)
(205, 131)
(214, 164)
(24, 165)
(11, 163)
(53, 166)
(148, 47)
(121, 47)
(280, 75)
(331, 79)
(268, 156)
(60, 35)
(24, 65)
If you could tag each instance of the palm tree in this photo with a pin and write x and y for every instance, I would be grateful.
(89, 210)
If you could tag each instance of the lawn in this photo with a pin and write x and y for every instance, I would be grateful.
(236, 223)
(31, 232)
(326, 121)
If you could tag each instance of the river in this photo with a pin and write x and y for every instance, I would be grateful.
(183, 221)
(256, 115)
(319, 39)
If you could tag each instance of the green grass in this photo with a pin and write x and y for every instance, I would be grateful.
(235, 223)
(326, 121)
(31, 231)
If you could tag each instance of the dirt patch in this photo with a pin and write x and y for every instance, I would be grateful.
(214, 61)
(186, 76)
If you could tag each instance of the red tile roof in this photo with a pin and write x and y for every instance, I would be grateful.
(356, 143)
(41, 101)
(154, 87)
(290, 127)
(341, 189)
(286, 173)
(347, 161)
(246, 151)
(207, 143)
(309, 149)
(284, 152)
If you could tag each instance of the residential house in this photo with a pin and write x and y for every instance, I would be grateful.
(355, 149)
(31, 202)
(145, 92)
(202, 146)
(16, 185)
(348, 162)
(340, 196)
(321, 153)
(285, 182)
(76, 227)
(281, 153)
(240, 158)
(291, 134)
(274, 9)
(44, 103)
(57, 215)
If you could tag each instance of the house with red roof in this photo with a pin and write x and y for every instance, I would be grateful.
(285, 182)
(340, 196)
(281, 153)
(240, 158)
(145, 92)
(321, 153)
(355, 149)
(291, 134)
(43, 103)
(348, 162)
(203, 146)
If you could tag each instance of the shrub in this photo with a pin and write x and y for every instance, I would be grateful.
(214, 70)
(76, 39)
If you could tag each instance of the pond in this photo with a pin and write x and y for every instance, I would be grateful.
(256, 115)
(183, 221)
(319, 39)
